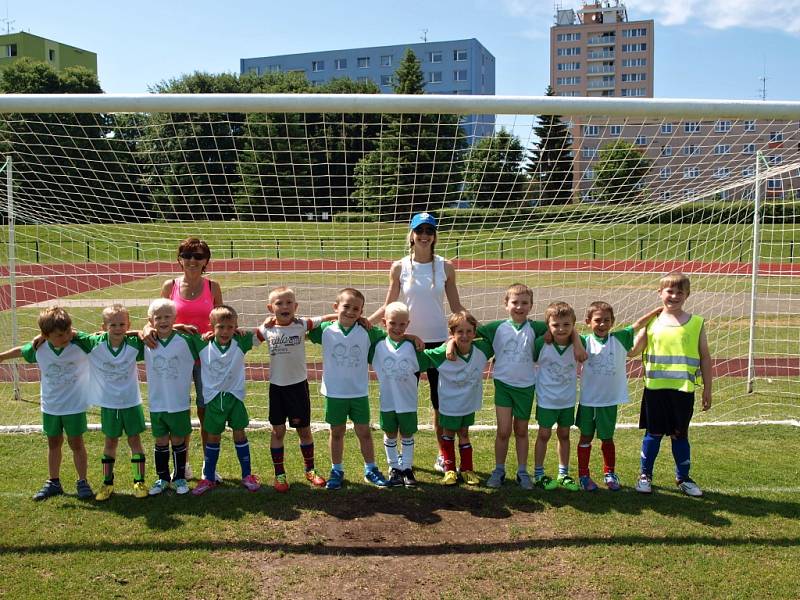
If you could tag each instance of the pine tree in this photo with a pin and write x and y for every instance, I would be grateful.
(550, 160)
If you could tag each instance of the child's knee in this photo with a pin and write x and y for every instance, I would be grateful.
(463, 435)
(562, 433)
(75, 442)
(520, 429)
(544, 434)
(337, 432)
(362, 431)
(239, 436)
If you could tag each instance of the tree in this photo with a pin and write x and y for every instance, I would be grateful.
(418, 161)
(550, 160)
(494, 177)
(619, 172)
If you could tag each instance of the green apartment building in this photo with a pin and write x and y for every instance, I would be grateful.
(14, 46)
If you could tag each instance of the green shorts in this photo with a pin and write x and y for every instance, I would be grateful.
(338, 410)
(602, 419)
(405, 422)
(547, 417)
(225, 408)
(452, 423)
(114, 422)
(73, 425)
(519, 400)
(178, 424)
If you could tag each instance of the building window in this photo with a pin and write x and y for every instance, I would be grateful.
(691, 127)
(573, 66)
(638, 32)
(633, 93)
(749, 126)
(666, 150)
(749, 149)
(51, 54)
(568, 37)
(687, 194)
(386, 80)
(435, 56)
(274, 68)
(363, 62)
(665, 172)
(340, 64)
(774, 184)
(591, 130)
(568, 80)
(722, 172)
(691, 172)
(460, 75)
(641, 140)
(722, 149)
(634, 62)
(748, 171)
(568, 52)
(317, 65)
(588, 173)
(722, 126)
(11, 50)
(775, 160)
(615, 130)
(634, 47)
(459, 55)
(691, 149)
(435, 77)
(634, 77)
(363, 79)
(588, 152)
(775, 136)
(386, 60)
(666, 128)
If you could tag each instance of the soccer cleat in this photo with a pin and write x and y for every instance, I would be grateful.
(438, 464)
(496, 479)
(375, 477)
(644, 485)
(408, 478)
(335, 480)
(49, 489)
(450, 478)
(139, 490)
(470, 478)
(568, 483)
(161, 485)
(689, 487)
(84, 490)
(612, 481)
(203, 486)
(587, 484)
(524, 480)
(105, 492)
(251, 482)
(544, 482)
(180, 486)
(395, 478)
(281, 485)
(315, 478)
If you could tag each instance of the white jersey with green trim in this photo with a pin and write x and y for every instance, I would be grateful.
(604, 380)
(222, 368)
(396, 366)
(287, 350)
(556, 376)
(169, 373)
(114, 374)
(513, 351)
(461, 380)
(64, 375)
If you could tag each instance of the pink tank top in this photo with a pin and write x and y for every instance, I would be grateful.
(193, 312)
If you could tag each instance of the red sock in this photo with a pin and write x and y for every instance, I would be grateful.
(448, 448)
(609, 455)
(465, 455)
(584, 452)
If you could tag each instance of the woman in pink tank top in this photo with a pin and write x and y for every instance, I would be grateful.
(194, 296)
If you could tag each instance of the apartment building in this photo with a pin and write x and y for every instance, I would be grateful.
(14, 46)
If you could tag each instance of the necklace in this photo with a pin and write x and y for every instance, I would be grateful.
(191, 293)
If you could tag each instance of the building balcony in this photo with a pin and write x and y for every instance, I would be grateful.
(597, 69)
(603, 40)
(601, 84)
(600, 55)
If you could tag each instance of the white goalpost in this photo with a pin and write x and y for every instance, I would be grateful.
(582, 199)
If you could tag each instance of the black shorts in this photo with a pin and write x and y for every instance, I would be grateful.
(433, 377)
(666, 412)
(290, 402)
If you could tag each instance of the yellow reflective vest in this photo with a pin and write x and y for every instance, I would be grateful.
(672, 357)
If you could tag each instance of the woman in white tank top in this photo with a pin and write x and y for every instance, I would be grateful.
(424, 279)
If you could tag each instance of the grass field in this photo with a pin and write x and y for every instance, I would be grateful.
(741, 540)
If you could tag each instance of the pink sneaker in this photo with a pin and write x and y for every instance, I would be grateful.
(203, 487)
(252, 483)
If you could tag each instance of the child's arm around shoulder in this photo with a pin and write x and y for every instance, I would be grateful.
(646, 318)
(705, 367)
(579, 346)
(13, 353)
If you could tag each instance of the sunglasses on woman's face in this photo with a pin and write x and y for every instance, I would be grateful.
(422, 230)
(194, 255)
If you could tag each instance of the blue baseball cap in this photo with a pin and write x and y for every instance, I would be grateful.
(423, 218)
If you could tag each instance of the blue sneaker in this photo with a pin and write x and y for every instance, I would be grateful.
(335, 480)
(375, 477)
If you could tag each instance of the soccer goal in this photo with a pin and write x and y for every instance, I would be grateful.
(582, 199)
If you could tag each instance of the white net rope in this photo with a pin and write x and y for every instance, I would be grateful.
(579, 207)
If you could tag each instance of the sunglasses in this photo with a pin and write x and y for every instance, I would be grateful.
(194, 255)
(424, 230)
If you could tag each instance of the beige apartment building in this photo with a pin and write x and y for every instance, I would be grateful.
(596, 51)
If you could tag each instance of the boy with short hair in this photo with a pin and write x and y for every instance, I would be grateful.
(64, 370)
(676, 360)
(222, 370)
(604, 386)
(556, 393)
(345, 383)
(169, 378)
(115, 389)
(289, 397)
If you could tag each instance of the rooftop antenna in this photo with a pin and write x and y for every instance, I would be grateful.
(8, 21)
(762, 91)
(424, 36)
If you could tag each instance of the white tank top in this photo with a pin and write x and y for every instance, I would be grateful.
(424, 296)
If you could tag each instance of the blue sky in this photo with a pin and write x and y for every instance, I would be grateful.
(703, 48)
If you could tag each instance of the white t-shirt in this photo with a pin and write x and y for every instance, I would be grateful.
(424, 296)
(64, 377)
(222, 367)
(461, 380)
(114, 374)
(287, 350)
(396, 366)
(556, 375)
(513, 350)
(169, 372)
(604, 381)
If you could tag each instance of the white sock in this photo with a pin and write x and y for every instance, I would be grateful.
(390, 445)
(408, 453)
